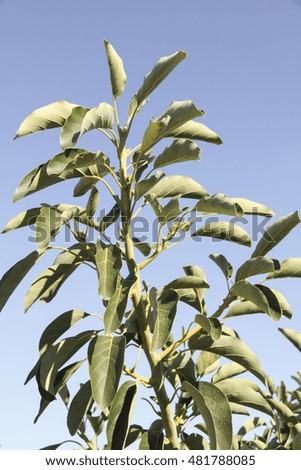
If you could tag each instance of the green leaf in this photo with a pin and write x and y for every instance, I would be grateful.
(212, 326)
(218, 204)
(292, 336)
(251, 424)
(152, 80)
(109, 263)
(135, 432)
(187, 282)
(275, 233)
(258, 265)
(72, 128)
(111, 217)
(223, 264)
(166, 312)
(206, 363)
(290, 267)
(117, 304)
(100, 117)
(227, 371)
(244, 392)
(117, 73)
(106, 357)
(178, 185)
(195, 131)
(84, 185)
(12, 278)
(23, 219)
(47, 117)
(179, 113)
(251, 207)
(180, 150)
(79, 406)
(153, 134)
(232, 348)
(224, 231)
(58, 327)
(48, 225)
(120, 415)
(93, 201)
(171, 210)
(146, 185)
(143, 247)
(261, 296)
(56, 446)
(215, 409)
(152, 440)
(57, 355)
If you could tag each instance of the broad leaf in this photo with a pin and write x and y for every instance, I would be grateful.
(261, 296)
(180, 112)
(275, 233)
(224, 231)
(120, 415)
(110, 218)
(223, 264)
(290, 267)
(12, 278)
(72, 127)
(180, 150)
(102, 116)
(232, 348)
(218, 204)
(152, 440)
(117, 73)
(187, 282)
(152, 80)
(207, 363)
(48, 225)
(92, 203)
(195, 131)
(153, 133)
(47, 117)
(258, 265)
(227, 371)
(292, 336)
(117, 304)
(23, 219)
(212, 326)
(109, 263)
(178, 185)
(146, 185)
(171, 210)
(106, 357)
(84, 185)
(79, 406)
(214, 408)
(252, 207)
(56, 446)
(166, 312)
(251, 424)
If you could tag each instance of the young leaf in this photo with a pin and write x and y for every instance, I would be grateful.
(12, 278)
(79, 406)
(218, 204)
(120, 415)
(275, 233)
(195, 131)
(72, 127)
(166, 312)
(258, 265)
(47, 117)
(223, 264)
(178, 185)
(180, 150)
(161, 70)
(106, 357)
(214, 408)
(109, 263)
(117, 304)
(290, 267)
(117, 73)
(102, 116)
(292, 336)
(224, 231)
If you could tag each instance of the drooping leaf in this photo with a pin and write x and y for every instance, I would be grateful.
(12, 278)
(224, 231)
(93, 201)
(260, 295)
(223, 264)
(153, 134)
(187, 282)
(23, 219)
(152, 80)
(47, 117)
(171, 210)
(102, 116)
(184, 366)
(180, 150)
(144, 247)
(178, 185)
(190, 297)
(117, 304)
(106, 358)
(110, 218)
(152, 440)
(214, 408)
(166, 311)
(84, 185)
(109, 263)
(212, 326)
(227, 371)
(292, 336)
(258, 265)
(146, 185)
(72, 128)
(232, 348)
(218, 204)
(194, 270)
(120, 415)
(195, 131)
(275, 233)
(79, 406)
(48, 225)
(117, 73)
(290, 267)
(252, 207)
(135, 432)
(56, 446)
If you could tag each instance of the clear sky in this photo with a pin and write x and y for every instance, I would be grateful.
(243, 68)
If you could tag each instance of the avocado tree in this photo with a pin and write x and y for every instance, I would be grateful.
(181, 376)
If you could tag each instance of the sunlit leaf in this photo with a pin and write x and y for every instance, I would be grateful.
(227, 371)
(251, 424)
(211, 326)
(166, 311)
(187, 282)
(224, 231)
(72, 128)
(102, 116)
(117, 73)
(48, 224)
(258, 265)
(146, 185)
(178, 185)
(180, 150)
(218, 204)
(290, 267)
(206, 363)
(92, 203)
(153, 134)
(179, 113)
(23, 219)
(252, 207)
(223, 264)
(292, 336)
(195, 131)
(108, 262)
(117, 304)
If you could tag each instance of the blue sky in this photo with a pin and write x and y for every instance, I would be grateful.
(243, 68)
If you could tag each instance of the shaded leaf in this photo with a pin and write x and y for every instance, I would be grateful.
(251, 424)
(187, 282)
(212, 326)
(292, 336)
(152, 440)
(143, 247)
(178, 185)
(117, 73)
(23, 219)
(117, 304)
(224, 231)
(93, 201)
(206, 363)
(166, 311)
(223, 264)
(214, 408)
(146, 185)
(48, 225)
(111, 217)
(79, 406)
(84, 185)
(109, 263)
(258, 265)
(275, 233)
(56, 446)
(135, 432)
(106, 357)
(102, 116)
(72, 128)
(153, 134)
(180, 150)
(227, 371)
